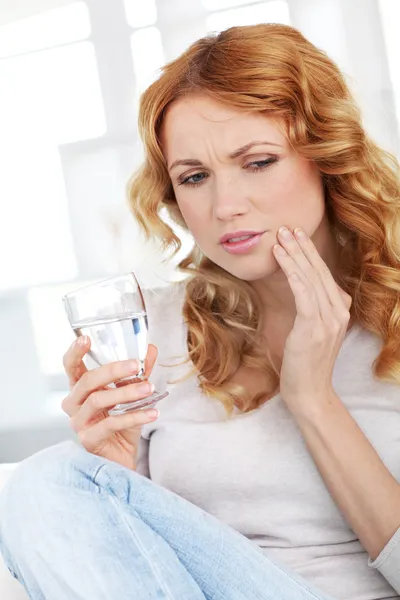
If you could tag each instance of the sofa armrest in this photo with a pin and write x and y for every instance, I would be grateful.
(10, 589)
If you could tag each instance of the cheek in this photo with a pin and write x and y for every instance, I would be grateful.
(296, 193)
(193, 214)
(196, 216)
(192, 209)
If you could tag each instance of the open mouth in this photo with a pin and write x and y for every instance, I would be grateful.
(240, 239)
(242, 244)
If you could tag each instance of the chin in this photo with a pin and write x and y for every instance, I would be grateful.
(249, 270)
(255, 275)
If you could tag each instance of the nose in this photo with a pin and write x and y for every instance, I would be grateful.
(229, 200)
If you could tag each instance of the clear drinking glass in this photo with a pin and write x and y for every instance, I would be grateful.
(113, 314)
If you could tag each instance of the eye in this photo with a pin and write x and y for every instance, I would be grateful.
(261, 165)
(194, 179)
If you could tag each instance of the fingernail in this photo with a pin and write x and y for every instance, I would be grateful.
(279, 250)
(285, 233)
(147, 387)
(81, 341)
(299, 233)
(133, 366)
(153, 413)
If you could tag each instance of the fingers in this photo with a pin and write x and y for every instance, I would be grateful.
(95, 380)
(100, 401)
(94, 438)
(73, 359)
(150, 360)
(83, 382)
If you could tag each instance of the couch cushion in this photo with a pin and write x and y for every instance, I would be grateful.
(5, 472)
(10, 589)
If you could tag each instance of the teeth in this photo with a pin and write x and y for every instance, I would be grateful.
(239, 239)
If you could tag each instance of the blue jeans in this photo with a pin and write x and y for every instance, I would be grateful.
(75, 526)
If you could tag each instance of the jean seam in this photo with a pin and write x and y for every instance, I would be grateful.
(98, 469)
(6, 561)
(113, 496)
(157, 576)
(221, 591)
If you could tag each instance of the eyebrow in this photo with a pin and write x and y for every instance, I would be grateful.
(193, 162)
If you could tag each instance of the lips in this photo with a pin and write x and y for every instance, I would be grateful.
(238, 239)
(237, 235)
(243, 243)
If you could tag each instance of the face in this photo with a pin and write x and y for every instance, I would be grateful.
(235, 174)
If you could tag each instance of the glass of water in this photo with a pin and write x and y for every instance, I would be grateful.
(113, 314)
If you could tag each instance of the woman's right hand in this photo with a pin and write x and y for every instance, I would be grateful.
(115, 437)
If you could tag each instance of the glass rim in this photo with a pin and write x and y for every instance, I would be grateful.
(100, 282)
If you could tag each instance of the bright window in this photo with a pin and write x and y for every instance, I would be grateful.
(148, 56)
(57, 88)
(276, 11)
(141, 13)
(48, 314)
(47, 98)
(35, 238)
(55, 27)
(213, 5)
(390, 13)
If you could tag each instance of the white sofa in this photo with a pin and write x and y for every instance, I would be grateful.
(10, 589)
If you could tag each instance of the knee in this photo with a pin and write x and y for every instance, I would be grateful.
(64, 464)
(41, 501)
(40, 482)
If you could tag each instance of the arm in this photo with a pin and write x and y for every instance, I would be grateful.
(359, 482)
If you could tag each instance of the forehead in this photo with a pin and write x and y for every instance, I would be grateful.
(194, 120)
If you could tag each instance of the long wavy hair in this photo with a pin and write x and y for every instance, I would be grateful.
(272, 69)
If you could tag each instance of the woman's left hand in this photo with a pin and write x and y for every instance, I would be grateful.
(320, 326)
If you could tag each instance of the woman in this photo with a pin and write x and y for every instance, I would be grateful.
(275, 473)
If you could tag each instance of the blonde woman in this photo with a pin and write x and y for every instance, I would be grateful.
(272, 471)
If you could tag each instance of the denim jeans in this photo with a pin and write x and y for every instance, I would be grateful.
(75, 526)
